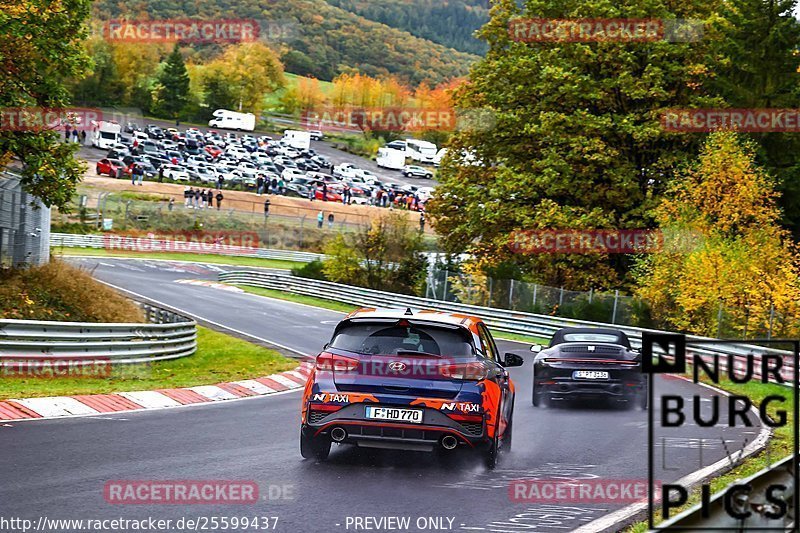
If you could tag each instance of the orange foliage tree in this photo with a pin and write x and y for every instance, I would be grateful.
(728, 267)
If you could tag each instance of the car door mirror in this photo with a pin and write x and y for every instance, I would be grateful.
(536, 348)
(512, 359)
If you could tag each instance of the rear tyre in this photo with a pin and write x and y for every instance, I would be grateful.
(507, 437)
(490, 457)
(314, 448)
(536, 398)
(642, 400)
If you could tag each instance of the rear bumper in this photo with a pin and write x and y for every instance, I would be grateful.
(571, 388)
(426, 436)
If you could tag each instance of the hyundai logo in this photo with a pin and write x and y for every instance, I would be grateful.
(397, 366)
(590, 348)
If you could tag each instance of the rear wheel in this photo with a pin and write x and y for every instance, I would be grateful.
(536, 398)
(316, 448)
(490, 457)
(509, 433)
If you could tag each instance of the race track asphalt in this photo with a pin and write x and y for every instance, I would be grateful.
(58, 468)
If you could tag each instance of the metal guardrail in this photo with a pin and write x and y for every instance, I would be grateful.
(782, 473)
(143, 244)
(168, 336)
(499, 319)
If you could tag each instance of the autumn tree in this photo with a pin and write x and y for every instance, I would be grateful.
(575, 139)
(242, 76)
(40, 49)
(725, 253)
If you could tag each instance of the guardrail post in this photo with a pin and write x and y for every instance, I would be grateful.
(446, 275)
(511, 295)
(489, 299)
(719, 321)
(591, 293)
(614, 311)
(535, 288)
(561, 297)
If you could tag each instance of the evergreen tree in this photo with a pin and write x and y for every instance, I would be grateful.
(171, 93)
(760, 42)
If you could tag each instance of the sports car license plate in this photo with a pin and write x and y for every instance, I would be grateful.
(394, 414)
(590, 374)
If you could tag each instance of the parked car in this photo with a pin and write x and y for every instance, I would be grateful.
(316, 135)
(306, 164)
(322, 161)
(175, 172)
(110, 167)
(289, 174)
(417, 172)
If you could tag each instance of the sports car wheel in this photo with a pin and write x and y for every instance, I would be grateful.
(314, 448)
(490, 457)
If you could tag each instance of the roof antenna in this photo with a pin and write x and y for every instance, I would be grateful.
(408, 311)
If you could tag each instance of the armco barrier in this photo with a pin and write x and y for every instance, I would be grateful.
(121, 242)
(498, 319)
(718, 519)
(168, 336)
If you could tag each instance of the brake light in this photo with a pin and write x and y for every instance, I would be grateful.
(335, 363)
(472, 371)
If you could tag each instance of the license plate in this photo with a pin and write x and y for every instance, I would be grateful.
(590, 374)
(395, 414)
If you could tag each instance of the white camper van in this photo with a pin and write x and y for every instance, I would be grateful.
(301, 140)
(391, 158)
(437, 159)
(421, 151)
(105, 134)
(231, 120)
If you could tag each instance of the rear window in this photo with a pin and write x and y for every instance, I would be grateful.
(591, 337)
(389, 339)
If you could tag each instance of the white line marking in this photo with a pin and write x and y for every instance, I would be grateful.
(149, 399)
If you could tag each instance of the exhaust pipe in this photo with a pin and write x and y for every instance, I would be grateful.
(449, 442)
(338, 434)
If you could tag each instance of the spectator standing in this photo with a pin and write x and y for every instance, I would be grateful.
(209, 199)
(187, 195)
(345, 194)
(266, 208)
(67, 131)
(75, 136)
(260, 184)
(161, 174)
(421, 222)
(219, 199)
(83, 137)
(324, 192)
(274, 185)
(312, 191)
(171, 203)
(320, 219)
(196, 198)
(220, 181)
(281, 186)
(330, 220)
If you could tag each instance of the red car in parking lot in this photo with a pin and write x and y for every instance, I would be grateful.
(110, 167)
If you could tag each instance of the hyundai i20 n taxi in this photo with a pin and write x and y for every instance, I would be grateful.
(412, 380)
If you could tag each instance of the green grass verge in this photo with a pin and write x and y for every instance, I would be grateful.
(780, 445)
(300, 298)
(219, 358)
(176, 256)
